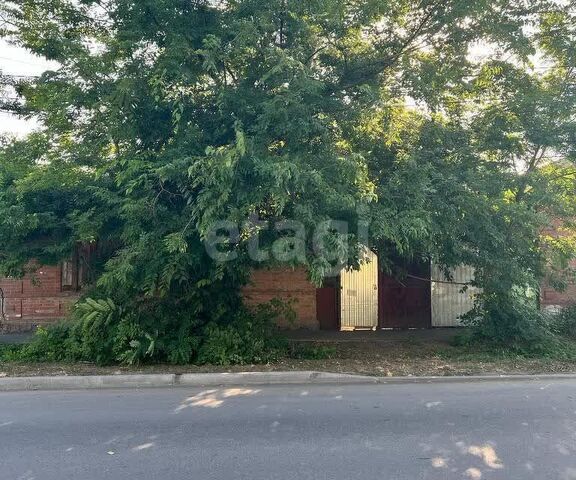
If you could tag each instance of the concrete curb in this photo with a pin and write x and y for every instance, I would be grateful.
(474, 378)
(238, 379)
(269, 378)
(62, 382)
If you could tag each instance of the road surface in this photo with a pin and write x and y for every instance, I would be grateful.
(503, 430)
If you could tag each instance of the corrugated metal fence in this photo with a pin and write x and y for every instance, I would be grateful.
(359, 296)
(448, 300)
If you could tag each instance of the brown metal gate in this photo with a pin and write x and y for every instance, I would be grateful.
(406, 302)
(327, 307)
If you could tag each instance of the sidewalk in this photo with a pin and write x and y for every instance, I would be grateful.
(390, 354)
(15, 338)
(434, 335)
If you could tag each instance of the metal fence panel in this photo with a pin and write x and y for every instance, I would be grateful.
(359, 296)
(448, 300)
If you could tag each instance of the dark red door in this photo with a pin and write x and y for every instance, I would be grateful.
(405, 302)
(327, 308)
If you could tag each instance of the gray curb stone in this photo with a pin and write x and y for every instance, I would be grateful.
(269, 378)
(62, 382)
(238, 379)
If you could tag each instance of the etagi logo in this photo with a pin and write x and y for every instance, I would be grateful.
(286, 241)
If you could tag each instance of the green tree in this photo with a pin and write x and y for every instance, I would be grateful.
(167, 116)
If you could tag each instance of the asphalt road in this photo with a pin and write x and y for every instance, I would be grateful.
(503, 430)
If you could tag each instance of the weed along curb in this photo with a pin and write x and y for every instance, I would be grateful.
(238, 379)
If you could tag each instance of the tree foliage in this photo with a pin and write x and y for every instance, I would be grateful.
(166, 116)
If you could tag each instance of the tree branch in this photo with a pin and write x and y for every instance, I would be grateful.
(378, 65)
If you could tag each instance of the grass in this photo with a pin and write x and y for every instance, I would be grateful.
(400, 358)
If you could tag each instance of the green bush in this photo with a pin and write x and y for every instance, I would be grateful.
(50, 344)
(513, 322)
(104, 333)
(251, 337)
(564, 322)
(10, 353)
(462, 338)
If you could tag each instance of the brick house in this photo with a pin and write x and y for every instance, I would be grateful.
(285, 284)
(551, 299)
(40, 298)
(356, 300)
(365, 299)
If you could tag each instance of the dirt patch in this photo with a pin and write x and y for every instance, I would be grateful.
(366, 358)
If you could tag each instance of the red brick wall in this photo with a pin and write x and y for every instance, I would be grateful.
(549, 297)
(36, 299)
(285, 284)
(552, 298)
(41, 301)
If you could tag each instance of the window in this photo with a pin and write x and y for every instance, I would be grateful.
(68, 275)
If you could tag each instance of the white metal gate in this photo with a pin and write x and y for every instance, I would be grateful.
(448, 300)
(359, 296)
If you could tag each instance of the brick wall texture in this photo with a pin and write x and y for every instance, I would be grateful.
(552, 298)
(36, 299)
(285, 284)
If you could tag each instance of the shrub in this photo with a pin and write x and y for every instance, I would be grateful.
(564, 322)
(50, 344)
(252, 337)
(513, 322)
(104, 333)
(10, 353)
